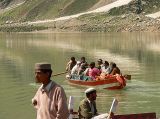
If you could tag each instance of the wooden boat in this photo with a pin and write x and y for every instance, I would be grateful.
(148, 115)
(107, 82)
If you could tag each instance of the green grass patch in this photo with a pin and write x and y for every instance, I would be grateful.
(34, 10)
(78, 6)
(27, 28)
(119, 10)
(47, 9)
(19, 13)
(94, 17)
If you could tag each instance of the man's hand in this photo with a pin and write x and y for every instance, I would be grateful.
(34, 102)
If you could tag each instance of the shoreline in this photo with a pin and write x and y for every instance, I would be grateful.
(100, 22)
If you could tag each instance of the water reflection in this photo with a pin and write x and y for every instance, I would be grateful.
(154, 47)
(137, 54)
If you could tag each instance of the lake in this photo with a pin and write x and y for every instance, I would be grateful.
(137, 54)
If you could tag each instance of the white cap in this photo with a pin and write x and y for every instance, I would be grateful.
(78, 62)
(89, 90)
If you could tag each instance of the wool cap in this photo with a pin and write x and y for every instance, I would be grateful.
(89, 90)
(42, 65)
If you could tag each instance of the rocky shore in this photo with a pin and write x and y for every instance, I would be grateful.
(126, 18)
(91, 23)
(103, 23)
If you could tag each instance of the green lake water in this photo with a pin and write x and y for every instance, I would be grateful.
(137, 54)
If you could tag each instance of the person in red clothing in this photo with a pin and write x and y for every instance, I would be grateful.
(93, 71)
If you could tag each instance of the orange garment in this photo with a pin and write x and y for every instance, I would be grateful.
(121, 80)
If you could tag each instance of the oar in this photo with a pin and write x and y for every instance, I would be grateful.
(59, 73)
(128, 77)
(113, 108)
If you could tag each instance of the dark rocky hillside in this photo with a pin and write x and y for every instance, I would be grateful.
(7, 3)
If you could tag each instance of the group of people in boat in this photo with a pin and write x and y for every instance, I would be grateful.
(92, 69)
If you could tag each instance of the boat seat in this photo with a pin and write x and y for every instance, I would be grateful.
(80, 77)
(86, 78)
(75, 77)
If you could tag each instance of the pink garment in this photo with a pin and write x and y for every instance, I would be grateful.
(51, 104)
(94, 72)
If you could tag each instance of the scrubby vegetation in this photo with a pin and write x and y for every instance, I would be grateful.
(33, 10)
(78, 6)
(129, 17)
(138, 7)
(22, 28)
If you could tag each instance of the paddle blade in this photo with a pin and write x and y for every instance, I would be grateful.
(128, 77)
(114, 106)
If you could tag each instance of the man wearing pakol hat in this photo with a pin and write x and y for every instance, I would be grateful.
(50, 100)
(87, 108)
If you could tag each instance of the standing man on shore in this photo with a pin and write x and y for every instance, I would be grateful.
(50, 100)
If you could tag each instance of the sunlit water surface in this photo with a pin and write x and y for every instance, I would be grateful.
(137, 54)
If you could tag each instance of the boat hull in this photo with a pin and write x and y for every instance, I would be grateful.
(110, 83)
